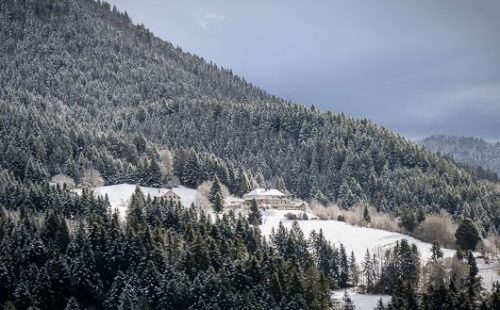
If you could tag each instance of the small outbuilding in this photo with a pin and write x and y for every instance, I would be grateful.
(171, 195)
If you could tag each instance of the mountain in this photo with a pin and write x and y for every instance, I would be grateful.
(467, 150)
(83, 88)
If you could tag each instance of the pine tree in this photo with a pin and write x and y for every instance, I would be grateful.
(435, 267)
(218, 204)
(407, 219)
(436, 252)
(367, 266)
(347, 302)
(72, 304)
(380, 305)
(344, 268)
(474, 280)
(135, 212)
(214, 190)
(467, 235)
(255, 215)
(155, 176)
(353, 270)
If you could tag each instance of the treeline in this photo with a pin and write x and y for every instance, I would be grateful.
(60, 250)
(30, 197)
(83, 88)
(455, 287)
(452, 284)
(164, 256)
(470, 151)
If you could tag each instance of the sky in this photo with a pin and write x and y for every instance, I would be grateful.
(419, 67)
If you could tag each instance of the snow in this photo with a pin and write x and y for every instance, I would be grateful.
(354, 238)
(119, 195)
(361, 301)
(258, 192)
(488, 273)
(358, 239)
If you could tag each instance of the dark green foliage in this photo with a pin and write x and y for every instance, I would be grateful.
(353, 270)
(255, 215)
(55, 232)
(82, 87)
(401, 265)
(164, 257)
(407, 219)
(72, 304)
(474, 280)
(215, 190)
(344, 268)
(467, 235)
(474, 152)
(218, 204)
(380, 305)
(436, 251)
(347, 302)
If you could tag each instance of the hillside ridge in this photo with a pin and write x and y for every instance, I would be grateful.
(83, 88)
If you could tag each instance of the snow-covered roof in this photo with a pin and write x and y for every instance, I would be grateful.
(171, 193)
(263, 192)
(274, 192)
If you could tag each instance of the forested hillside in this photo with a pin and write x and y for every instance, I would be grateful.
(474, 152)
(83, 88)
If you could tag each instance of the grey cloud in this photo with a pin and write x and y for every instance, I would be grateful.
(418, 66)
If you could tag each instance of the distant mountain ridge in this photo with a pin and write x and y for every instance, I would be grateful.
(84, 88)
(467, 150)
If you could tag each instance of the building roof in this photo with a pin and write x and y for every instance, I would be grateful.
(263, 192)
(170, 193)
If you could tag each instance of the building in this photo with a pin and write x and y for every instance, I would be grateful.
(272, 198)
(171, 195)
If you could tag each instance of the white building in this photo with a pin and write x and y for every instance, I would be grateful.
(272, 198)
(171, 195)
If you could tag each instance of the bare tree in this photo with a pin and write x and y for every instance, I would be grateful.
(91, 178)
(62, 179)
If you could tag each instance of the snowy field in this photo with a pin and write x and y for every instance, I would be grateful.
(119, 195)
(358, 239)
(354, 238)
(361, 301)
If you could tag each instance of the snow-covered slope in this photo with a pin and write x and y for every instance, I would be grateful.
(119, 195)
(358, 239)
(361, 301)
(354, 238)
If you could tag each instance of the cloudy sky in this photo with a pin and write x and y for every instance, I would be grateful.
(419, 67)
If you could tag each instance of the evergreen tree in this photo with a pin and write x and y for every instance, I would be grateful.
(347, 302)
(353, 270)
(218, 204)
(255, 215)
(380, 305)
(407, 219)
(474, 280)
(367, 266)
(344, 268)
(215, 190)
(436, 252)
(467, 235)
(72, 304)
